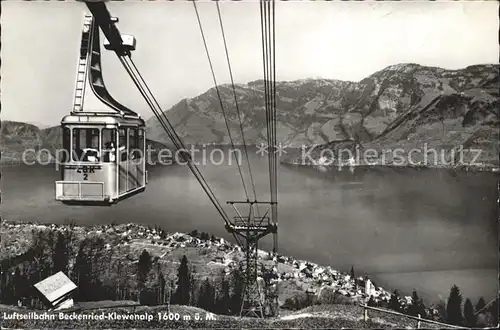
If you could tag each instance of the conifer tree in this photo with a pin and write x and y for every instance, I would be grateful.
(184, 283)
(470, 318)
(237, 296)
(454, 307)
(143, 268)
(60, 258)
(224, 301)
(394, 303)
(83, 273)
(480, 304)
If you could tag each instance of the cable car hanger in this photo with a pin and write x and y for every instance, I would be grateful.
(90, 55)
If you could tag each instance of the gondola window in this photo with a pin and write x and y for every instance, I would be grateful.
(86, 145)
(122, 147)
(108, 145)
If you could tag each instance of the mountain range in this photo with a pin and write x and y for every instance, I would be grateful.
(403, 105)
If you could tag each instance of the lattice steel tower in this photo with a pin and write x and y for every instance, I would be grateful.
(257, 300)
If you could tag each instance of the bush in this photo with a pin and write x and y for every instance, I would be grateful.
(148, 298)
(299, 301)
(328, 296)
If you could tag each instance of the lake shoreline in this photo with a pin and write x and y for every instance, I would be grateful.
(464, 168)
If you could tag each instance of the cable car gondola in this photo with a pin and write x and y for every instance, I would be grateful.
(103, 159)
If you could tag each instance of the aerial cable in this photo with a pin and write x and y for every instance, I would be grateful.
(268, 45)
(263, 23)
(275, 127)
(236, 102)
(145, 90)
(220, 98)
(174, 137)
(272, 106)
(271, 96)
(268, 91)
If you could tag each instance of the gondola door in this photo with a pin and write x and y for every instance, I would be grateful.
(122, 161)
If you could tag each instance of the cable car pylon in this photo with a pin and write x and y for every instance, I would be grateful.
(256, 301)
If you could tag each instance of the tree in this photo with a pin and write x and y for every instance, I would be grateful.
(237, 296)
(18, 284)
(352, 273)
(207, 296)
(413, 309)
(417, 306)
(184, 283)
(494, 311)
(4, 287)
(480, 304)
(394, 303)
(83, 273)
(224, 300)
(60, 257)
(194, 233)
(470, 318)
(454, 307)
(441, 310)
(161, 298)
(143, 268)
(212, 238)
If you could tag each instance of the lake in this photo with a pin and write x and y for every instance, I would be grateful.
(425, 229)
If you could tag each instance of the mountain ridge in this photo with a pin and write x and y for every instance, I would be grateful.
(401, 106)
(398, 106)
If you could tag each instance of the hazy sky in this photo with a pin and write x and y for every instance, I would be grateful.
(340, 40)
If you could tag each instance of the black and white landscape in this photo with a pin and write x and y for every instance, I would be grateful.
(415, 85)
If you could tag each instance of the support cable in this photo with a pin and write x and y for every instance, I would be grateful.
(275, 204)
(167, 126)
(236, 103)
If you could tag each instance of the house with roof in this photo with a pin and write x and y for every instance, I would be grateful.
(57, 291)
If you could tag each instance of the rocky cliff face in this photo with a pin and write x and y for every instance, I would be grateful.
(402, 105)
(15, 137)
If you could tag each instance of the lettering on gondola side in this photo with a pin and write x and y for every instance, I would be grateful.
(86, 170)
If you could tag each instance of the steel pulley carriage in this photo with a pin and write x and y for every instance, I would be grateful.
(103, 156)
